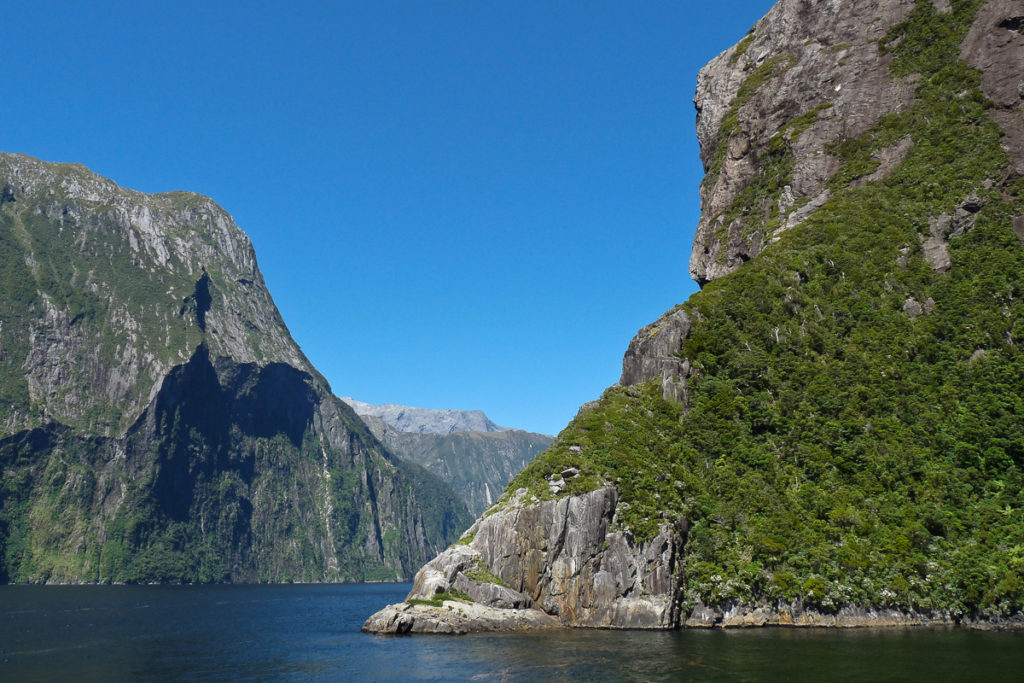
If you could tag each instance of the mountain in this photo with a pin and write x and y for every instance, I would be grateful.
(831, 432)
(426, 420)
(477, 465)
(157, 421)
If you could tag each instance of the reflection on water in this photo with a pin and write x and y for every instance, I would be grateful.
(312, 632)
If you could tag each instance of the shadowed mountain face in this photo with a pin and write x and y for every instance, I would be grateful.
(830, 432)
(157, 421)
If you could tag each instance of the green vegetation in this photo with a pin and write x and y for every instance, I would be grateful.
(757, 204)
(474, 464)
(741, 48)
(438, 600)
(465, 539)
(211, 501)
(837, 450)
(481, 573)
(85, 274)
(146, 453)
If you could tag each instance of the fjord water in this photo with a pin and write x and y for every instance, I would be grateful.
(306, 632)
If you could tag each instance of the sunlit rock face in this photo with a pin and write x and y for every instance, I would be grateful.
(548, 563)
(802, 57)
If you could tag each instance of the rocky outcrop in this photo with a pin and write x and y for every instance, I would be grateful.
(454, 617)
(158, 422)
(816, 60)
(822, 61)
(477, 465)
(654, 353)
(806, 76)
(935, 245)
(829, 82)
(995, 46)
(796, 615)
(561, 562)
(735, 615)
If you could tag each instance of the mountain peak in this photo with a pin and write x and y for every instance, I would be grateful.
(426, 420)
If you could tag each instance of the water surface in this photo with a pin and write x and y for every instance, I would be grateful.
(262, 633)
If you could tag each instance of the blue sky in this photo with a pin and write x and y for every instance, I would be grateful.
(455, 204)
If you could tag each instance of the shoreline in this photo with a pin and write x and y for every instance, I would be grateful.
(454, 617)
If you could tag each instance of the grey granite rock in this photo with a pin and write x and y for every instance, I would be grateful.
(454, 617)
(561, 558)
(995, 46)
(831, 49)
(653, 353)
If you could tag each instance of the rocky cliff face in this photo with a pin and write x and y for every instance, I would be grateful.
(564, 562)
(477, 465)
(158, 421)
(828, 434)
(773, 112)
(808, 75)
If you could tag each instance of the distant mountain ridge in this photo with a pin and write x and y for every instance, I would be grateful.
(426, 420)
(476, 464)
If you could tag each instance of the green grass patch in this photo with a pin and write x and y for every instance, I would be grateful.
(741, 48)
(481, 573)
(439, 599)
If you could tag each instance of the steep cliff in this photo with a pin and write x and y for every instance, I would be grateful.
(477, 465)
(830, 432)
(157, 421)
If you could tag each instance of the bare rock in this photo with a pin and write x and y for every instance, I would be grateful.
(804, 212)
(740, 615)
(559, 563)
(912, 307)
(653, 353)
(490, 594)
(437, 575)
(995, 46)
(827, 59)
(935, 245)
(454, 618)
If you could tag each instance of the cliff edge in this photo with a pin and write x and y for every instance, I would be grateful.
(829, 432)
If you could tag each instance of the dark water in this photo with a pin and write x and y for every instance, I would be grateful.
(263, 633)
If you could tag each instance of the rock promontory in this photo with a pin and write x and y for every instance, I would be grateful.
(559, 562)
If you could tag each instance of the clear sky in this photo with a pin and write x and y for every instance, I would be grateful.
(455, 204)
